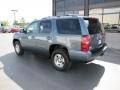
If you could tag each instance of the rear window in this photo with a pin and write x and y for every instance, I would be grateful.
(94, 27)
(68, 26)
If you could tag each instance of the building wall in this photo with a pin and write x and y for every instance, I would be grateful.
(106, 10)
(71, 5)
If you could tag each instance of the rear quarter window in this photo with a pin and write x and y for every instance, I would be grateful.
(68, 26)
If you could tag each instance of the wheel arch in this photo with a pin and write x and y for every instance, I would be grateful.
(57, 46)
(14, 40)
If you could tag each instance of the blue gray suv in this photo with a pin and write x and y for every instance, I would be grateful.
(65, 39)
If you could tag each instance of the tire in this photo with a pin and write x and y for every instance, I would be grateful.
(60, 60)
(18, 48)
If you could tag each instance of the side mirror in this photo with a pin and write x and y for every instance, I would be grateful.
(23, 31)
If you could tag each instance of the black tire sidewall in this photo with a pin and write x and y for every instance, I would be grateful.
(67, 64)
(21, 50)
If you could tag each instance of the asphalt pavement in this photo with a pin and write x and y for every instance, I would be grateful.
(33, 72)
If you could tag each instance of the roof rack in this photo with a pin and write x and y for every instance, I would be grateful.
(47, 17)
(72, 15)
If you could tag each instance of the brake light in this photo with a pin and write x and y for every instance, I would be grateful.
(85, 43)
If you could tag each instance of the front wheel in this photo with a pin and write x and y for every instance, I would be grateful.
(60, 60)
(18, 48)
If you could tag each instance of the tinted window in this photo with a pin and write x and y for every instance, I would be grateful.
(68, 26)
(93, 25)
(33, 28)
(45, 26)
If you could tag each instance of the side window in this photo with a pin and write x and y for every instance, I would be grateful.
(45, 26)
(33, 28)
(68, 26)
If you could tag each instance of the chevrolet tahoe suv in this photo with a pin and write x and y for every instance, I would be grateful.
(65, 39)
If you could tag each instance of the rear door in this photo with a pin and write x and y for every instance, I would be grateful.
(96, 32)
(44, 39)
(69, 32)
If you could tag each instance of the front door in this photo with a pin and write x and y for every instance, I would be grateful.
(27, 39)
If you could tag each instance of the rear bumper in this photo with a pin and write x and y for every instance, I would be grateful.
(86, 56)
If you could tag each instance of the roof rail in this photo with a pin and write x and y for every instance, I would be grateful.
(50, 17)
(61, 16)
(47, 17)
(71, 14)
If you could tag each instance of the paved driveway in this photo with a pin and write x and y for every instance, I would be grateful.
(33, 72)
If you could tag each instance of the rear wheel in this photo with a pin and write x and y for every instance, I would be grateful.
(60, 60)
(18, 48)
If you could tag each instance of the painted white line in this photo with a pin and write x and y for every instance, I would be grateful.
(110, 79)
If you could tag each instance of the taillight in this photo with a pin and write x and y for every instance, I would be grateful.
(85, 43)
